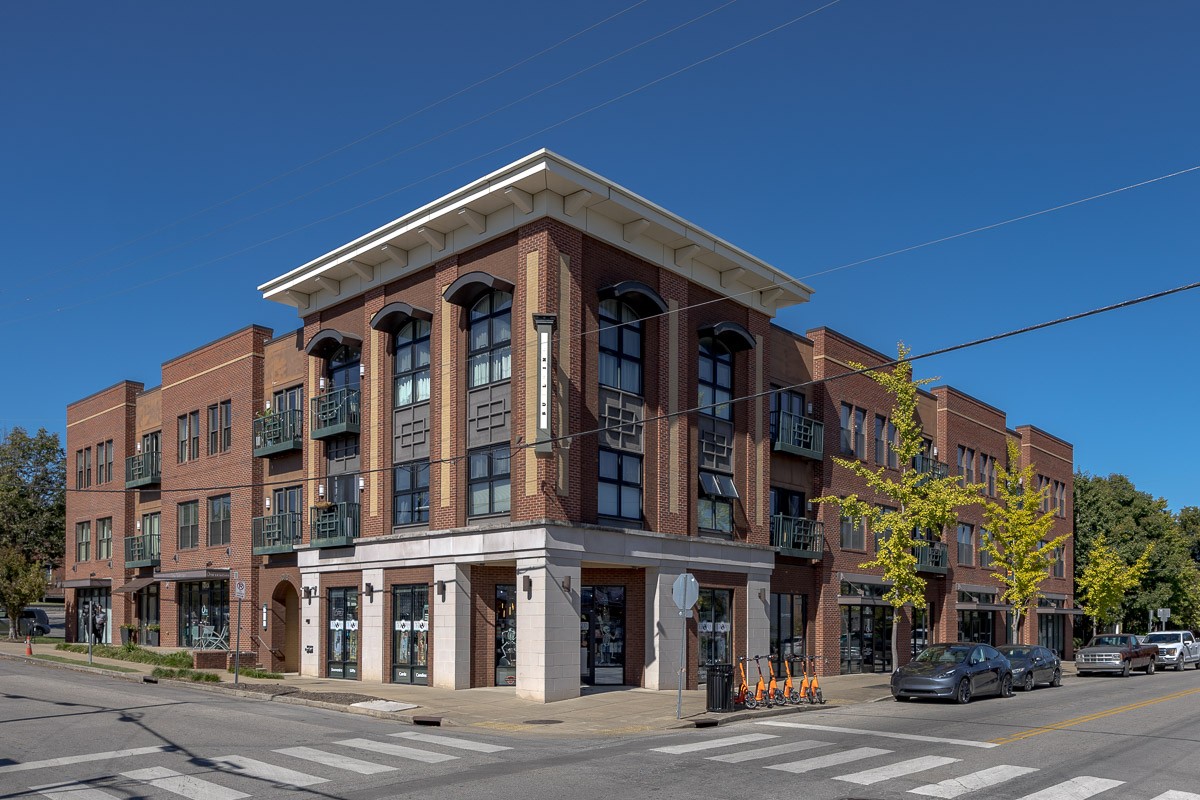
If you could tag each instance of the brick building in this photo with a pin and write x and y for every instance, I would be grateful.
(498, 438)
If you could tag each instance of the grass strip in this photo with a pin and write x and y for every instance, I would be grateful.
(61, 660)
(132, 652)
(195, 676)
(255, 672)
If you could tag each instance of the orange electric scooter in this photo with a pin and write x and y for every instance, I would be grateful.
(774, 690)
(742, 696)
(761, 696)
(790, 693)
(814, 687)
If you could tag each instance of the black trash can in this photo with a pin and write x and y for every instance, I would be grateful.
(720, 688)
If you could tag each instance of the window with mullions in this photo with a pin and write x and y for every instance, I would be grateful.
(715, 382)
(83, 541)
(412, 363)
(854, 534)
(620, 347)
(410, 493)
(189, 524)
(985, 558)
(219, 512)
(787, 403)
(966, 545)
(189, 436)
(620, 485)
(488, 482)
(104, 538)
(715, 511)
(291, 399)
(220, 427)
(490, 347)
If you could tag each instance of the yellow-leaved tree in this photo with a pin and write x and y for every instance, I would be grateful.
(1107, 579)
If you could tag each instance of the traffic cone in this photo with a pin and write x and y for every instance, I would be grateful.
(28, 646)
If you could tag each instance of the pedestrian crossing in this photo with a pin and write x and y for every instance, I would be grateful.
(236, 776)
(882, 767)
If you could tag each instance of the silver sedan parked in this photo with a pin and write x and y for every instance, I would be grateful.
(959, 670)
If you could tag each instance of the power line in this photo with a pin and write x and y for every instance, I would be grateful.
(695, 409)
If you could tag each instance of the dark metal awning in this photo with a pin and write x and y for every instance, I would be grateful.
(193, 575)
(134, 585)
(87, 583)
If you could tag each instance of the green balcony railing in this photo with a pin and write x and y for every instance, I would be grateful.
(335, 412)
(275, 533)
(936, 469)
(800, 435)
(144, 469)
(798, 536)
(932, 557)
(335, 526)
(279, 432)
(142, 550)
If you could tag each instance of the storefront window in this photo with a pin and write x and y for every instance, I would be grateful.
(204, 615)
(1050, 632)
(147, 606)
(920, 629)
(342, 639)
(410, 634)
(976, 626)
(787, 628)
(602, 635)
(506, 635)
(87, 602)
(866, 644)
(715, 629)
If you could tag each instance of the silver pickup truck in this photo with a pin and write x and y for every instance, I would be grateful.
(1175, 648)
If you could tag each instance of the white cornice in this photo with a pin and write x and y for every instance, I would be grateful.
(543, 184)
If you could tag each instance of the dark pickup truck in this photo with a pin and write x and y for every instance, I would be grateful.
(1116, 652)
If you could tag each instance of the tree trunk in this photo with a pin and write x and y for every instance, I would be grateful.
(1016, 627)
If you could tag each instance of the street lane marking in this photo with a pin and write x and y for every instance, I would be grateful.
(831, 760)
(337, 760)
(1075, 789)
(397, 750)
(1068, 723)
(79, 759)
(983, 779)
(188, 786)
(897, 770)
(859, 731)
(769, 752)
(450, 741)
(240, 765)
(72, 791)
(711, 744)
(1175, 794)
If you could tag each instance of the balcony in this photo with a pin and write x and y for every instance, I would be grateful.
(279, 432)
(335, 526)
(932, 557)
(335, 412)
(142, 550)
(936, 469)
(799, 435)
(144, 469)
(798, 536)
(277, 533)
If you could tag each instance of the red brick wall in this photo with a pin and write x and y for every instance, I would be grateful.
(483, 620)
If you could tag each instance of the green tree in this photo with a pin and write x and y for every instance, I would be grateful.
(1017, 535)
(1107, 580)
(918, 501)
(21, 582)
(33, 495)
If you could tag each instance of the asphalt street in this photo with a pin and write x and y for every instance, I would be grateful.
(70, 736)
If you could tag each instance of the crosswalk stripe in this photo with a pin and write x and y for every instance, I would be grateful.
(914, 737)
(769, 752)
(397, 750)
(72, 791)
(240, 765)
(899, 769)
(1075, 789)
(712, 744)
(85, 757)
(336, 760)
(1175, 794)
(450, 741)
(187, 786)
(983, 779)
(831, 760)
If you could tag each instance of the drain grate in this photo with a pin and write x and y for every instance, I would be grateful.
(543, 721)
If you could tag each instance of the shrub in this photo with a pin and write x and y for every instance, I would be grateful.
(185, 675)
(131, 652)
(255, 672)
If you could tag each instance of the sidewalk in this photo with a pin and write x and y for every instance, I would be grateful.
(602, 711)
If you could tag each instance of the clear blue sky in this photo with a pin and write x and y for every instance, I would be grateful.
(868, 127)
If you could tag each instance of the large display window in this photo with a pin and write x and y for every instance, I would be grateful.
(410, 634)
(204, 615)
(506, 634)
(602, 635)
(714, 626)
(866, 644)
(787, 629)
(341, 639)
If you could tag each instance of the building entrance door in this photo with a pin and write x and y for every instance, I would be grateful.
(602, 635)
(342, 635)
(410, 634)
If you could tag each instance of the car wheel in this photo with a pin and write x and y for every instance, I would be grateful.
(1027, 684)
(963, 695)
(1057, 679)
(1126, 669)
(1150, 667)
(1179, 664)
(1006, 686)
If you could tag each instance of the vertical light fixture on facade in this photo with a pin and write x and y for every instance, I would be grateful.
(544, 325)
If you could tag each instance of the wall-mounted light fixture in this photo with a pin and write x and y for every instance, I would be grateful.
(441, 590)
(309, 592)
(935, 452)
(362, 370)
(369, 591)
(527, 584)
(810, 408)
(110, 564)
(267, 503)
(264, 616)
(809, 505)
(137, 524)
(321, 383)
(175, 557)
(267, 405)
(362, 483)
(137, 446)
(566, 583)
(321, 490)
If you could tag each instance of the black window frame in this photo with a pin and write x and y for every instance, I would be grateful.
(857, 530)
(713, 357)
(414, 339)
(619, 331)
(967, 548)
(619, 480)
(188, 435)
(418, 486)
(485, 315)
(493, 479)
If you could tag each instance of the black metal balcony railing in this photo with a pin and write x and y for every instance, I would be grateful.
(800, 435)
(936, 469)
(142, 550)
(144, 469)
(335, 413)
(932, 557)
(279, 432)
(798, 536)
(276, 533)
(335, 526)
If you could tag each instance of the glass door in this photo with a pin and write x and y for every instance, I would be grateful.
(602, 635)
(715, 629)
(410, 634)
(787, 629)
(342, 638)
(506, 634)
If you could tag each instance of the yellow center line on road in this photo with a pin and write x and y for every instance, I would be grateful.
(1068, 723)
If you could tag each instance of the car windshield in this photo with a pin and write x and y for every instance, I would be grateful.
(1109, 641)
(943, 655)
(1015, 652)
(1164, 638)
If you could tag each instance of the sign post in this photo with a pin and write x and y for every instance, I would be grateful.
(239, 592)
(685, 592)
(1164, 614)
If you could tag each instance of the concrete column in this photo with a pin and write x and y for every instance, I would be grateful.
(662, 630)
(371, 626)
(758, 617)
(310, 625)
(547, 629)
(451, 619)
